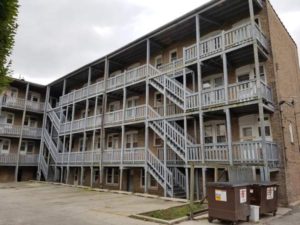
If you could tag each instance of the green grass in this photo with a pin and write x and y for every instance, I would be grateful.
(175, 212)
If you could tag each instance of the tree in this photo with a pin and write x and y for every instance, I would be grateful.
(8, 27)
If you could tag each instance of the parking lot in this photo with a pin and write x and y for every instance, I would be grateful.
(38, 203)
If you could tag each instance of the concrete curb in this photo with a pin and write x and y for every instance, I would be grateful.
(143, 195)
(160, 221)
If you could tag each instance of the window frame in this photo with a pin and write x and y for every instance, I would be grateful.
(4, 152)
(170, 55)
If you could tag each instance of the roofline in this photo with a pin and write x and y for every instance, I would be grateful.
(182, 18)
(28, 82)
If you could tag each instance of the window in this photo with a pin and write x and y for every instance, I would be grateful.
(152, 183)
(114, 106)
(243, 78)
(173, 55)
(96, 175)
(208, 134)
(9, 118)
(218, 82)
(112, 176)
(113, 141)
(157, 140)
(247, 132)
(158, 99)
(132, 139)
(4, 146)
(221, 133)
(27, 147)
(132, 102)
(98, 142)
(262, 73)
(158, 61)
(81, 144)
(30, 121)
(32, 96)
(267, 131)
(212, 82)
(12, 92)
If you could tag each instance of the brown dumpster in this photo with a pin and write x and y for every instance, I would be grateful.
(228, 202)
(264, 195)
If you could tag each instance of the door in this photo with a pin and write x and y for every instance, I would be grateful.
(130, 104)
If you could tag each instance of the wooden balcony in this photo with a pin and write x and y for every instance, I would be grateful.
(79, 158)
(24, 160)
(247, 153)
(19, 103)
(132, 156)
(226, 41)
(237, 93)
(81, 124)
(15, 131)
(82, 93)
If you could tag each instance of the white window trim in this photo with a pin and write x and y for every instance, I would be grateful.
(26, 148)
(148, 181)
(113, 135)
(291, 133)
(130, 133)
(29, 122)
(35, 94)
(13, 89)
(214, 124)
(156, 58)
(5, 152)
(117, 104)
(211, 80)
(255, 124)
(155, 99)
(130, 99)
(13, 117)
(249, 69)
(94, 175)
(112, 177)
(171, 52)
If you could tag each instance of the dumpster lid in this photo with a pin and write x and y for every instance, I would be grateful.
(265, 183)
(226, 184)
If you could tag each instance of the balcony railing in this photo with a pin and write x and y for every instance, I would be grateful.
(128, 77)
(238, 92)
(82, 93)
(130, 156)
(135, 113)
(24, 160)
(235, 37)
(19, 103)
(172, 66)
(79, 158)
(113, 117)
(250, 152)
(81, 124)
(28, 132)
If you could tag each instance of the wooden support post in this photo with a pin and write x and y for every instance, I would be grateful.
(229, 135)
(147, 117)
(41, 152)
(197, 184)
(192, 186)
(21, 135)
(70, 143)
(199, 73)
(81, 175)
(216, 174)
(203, 182)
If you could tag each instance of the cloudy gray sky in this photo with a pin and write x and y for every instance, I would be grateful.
(57, 37)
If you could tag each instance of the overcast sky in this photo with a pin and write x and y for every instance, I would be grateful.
(57, 37)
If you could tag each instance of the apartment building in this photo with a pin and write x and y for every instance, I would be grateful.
(213, 95)
(21, 116)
